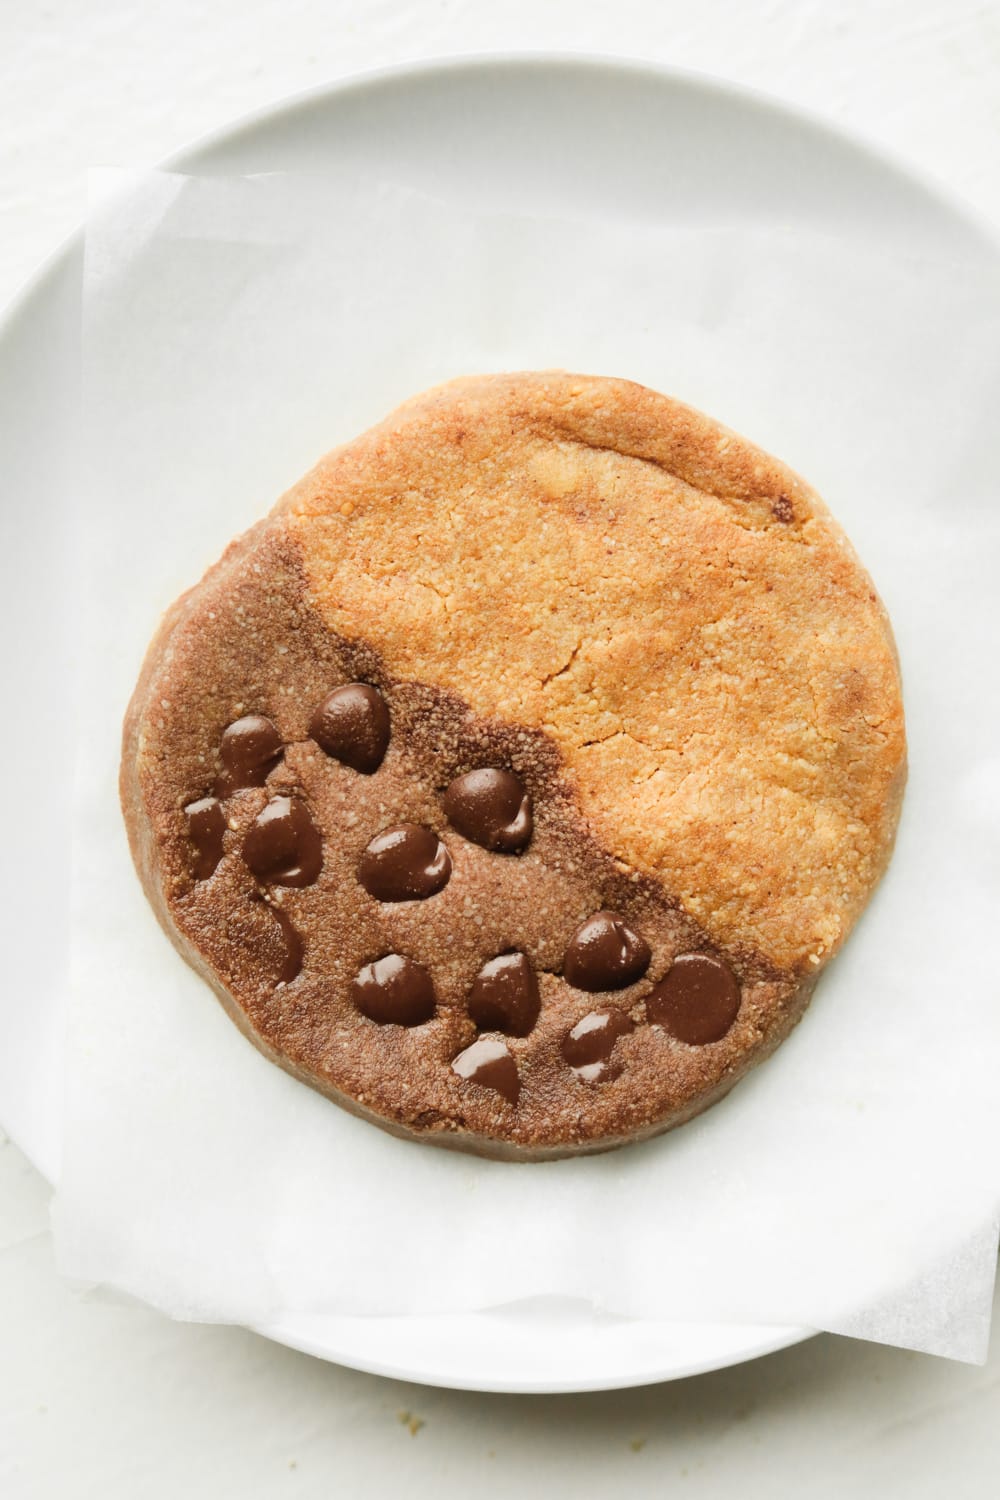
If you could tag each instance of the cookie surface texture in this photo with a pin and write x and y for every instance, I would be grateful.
(514, 780)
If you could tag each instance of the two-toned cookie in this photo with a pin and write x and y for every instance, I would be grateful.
(513, 782)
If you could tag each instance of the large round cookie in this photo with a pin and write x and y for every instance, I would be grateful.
(515, 779)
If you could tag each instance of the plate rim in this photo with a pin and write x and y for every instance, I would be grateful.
(763, 1343)
(360, 80)
(188, 157)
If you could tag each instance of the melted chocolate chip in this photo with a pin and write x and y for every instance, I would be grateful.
(249, 749)
(698, 1000)
(604, 954)
(504, 995)
(491, 808)
(352, 725)
(291, 963)
(283, 845)
(488, 1062)
(206, 825)
(589, 1045)
(407, 863)
(394, 991)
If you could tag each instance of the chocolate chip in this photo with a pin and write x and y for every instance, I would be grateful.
(395, 991)
(352, 725)
(491, 808)
(283, 845)
(504, 995)
(206, 825)
(489, 1063)
(604, 954)
(588, 1046)
(407, 863)
(698, 1000)
(249, 749)
(291, 963)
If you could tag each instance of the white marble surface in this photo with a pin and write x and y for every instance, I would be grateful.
(113, 1401)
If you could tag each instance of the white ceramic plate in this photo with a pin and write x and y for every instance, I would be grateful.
(519, 133)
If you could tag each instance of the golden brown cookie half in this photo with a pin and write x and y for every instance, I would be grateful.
(514, 780)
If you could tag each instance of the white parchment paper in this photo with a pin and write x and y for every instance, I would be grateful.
(237, 328)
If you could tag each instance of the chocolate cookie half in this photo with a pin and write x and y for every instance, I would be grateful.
(514, 780)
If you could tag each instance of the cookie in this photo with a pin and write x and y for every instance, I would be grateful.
(514, 780)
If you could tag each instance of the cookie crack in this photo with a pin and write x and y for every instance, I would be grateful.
(601, 739)
(733, 501)
(614, 734)
(444, 599)
(561, 671)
